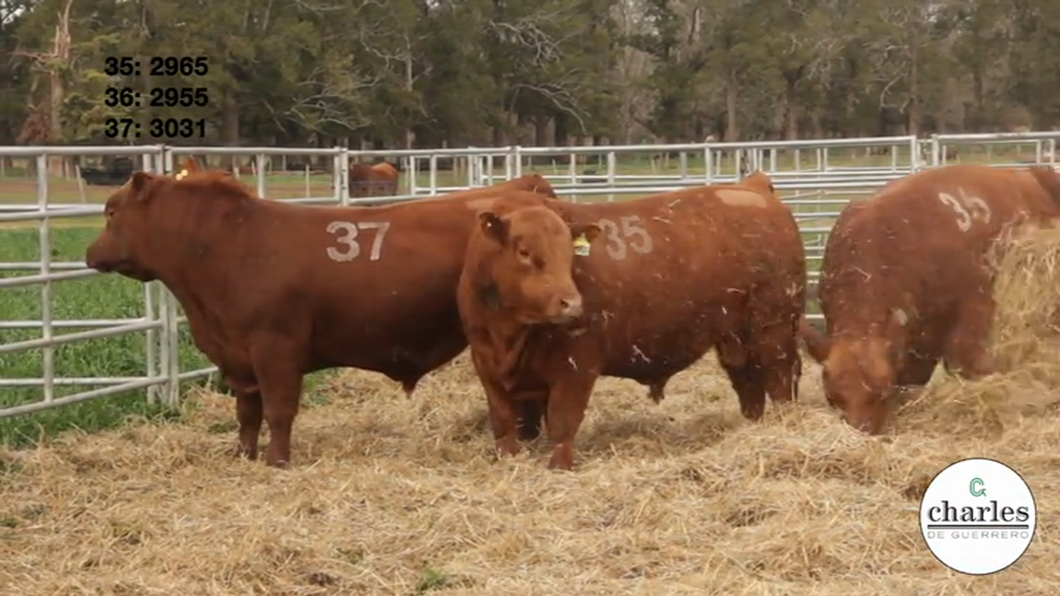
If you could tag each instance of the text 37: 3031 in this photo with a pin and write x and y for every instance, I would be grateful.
(182, 128)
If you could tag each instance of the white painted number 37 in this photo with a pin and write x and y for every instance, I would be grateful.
(967, 208)
(349, 244)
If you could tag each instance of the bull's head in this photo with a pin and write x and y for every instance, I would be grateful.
(529, 257)
(122, 246)
(859, 380)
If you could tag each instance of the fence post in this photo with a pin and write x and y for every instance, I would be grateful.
(611, 167)
(708, 163)
(170, 336)
(44, 238)
(340, 164)
(432, 163)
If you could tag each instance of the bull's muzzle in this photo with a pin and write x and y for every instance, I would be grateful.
(93, 261)
(570, 307)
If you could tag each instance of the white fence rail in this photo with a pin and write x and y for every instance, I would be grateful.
(817, 191)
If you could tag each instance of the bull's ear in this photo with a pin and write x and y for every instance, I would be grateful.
(493, 226)
(139, 183)
(588, 231)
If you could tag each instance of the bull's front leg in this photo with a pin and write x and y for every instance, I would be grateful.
(280, 382)
(567, 402)
(249, 414)
(504, 418)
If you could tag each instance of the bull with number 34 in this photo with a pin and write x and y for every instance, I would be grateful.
(274, 291)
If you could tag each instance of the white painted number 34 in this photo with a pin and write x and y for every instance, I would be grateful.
(349, 242)
(967, 208)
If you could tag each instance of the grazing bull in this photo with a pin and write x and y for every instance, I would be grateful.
(275, 290)
(552, 297)
(905, 283)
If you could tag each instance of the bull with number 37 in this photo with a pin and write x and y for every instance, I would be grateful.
(905, 284)
(274, 290)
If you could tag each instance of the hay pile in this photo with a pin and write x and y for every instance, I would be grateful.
(396, 496)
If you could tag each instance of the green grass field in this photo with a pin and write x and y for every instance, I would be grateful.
(112, 297)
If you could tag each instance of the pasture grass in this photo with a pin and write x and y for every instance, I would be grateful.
(96, 297)
(388, 495)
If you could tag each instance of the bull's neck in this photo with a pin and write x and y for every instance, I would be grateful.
(188, 247)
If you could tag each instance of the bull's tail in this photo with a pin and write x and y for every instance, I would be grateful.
(1048, 179)
(817, 344)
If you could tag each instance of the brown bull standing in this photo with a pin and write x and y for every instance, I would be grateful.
(274, 291)
(656, 283)
(905, 283)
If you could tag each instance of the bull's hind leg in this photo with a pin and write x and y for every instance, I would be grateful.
(776, 347)
(249, 414)
(745, 374)
(966, 345)
(749, 383)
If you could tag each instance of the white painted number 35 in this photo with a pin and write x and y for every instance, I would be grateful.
(625, 234)
(349, 247)
(967, 208)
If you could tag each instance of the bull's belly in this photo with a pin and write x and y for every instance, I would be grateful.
(650, 366)
(398, 356)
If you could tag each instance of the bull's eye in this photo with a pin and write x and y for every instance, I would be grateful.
(524, 254)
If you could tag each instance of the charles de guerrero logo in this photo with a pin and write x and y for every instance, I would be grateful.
(978, 516)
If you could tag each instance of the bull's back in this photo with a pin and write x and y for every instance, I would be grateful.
(375, 286)
(673, 273)
(920, 241)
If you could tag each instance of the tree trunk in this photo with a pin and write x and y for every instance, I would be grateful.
(542, 124)
(791, 109)
(978, 98)
(563, 138)
(914, 90)
(731, 131)
(409, 80)
(230, 122)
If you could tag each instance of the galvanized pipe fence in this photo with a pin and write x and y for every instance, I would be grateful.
(817, 192)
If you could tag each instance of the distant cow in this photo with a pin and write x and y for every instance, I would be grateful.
(904, 282)
(376, 180)
(656, 283)
(276, 290)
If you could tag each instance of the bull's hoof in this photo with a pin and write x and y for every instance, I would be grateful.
(506, 447)
(561, 461)
(242, 452)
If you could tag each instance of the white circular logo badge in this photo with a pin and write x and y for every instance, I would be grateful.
(978, 516)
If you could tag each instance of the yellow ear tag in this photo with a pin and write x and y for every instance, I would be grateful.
(581, 246)
(181, 174)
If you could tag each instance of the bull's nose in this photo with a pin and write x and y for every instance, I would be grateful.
(571, 305)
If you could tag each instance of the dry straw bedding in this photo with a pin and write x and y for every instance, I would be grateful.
(396, 496)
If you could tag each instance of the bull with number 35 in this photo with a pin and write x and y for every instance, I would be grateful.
(905, 283)
(552, 297)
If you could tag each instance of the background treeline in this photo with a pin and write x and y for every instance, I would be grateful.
(428, 73)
